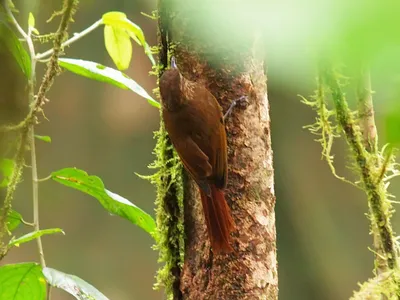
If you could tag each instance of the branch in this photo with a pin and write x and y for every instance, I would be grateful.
(76, 37)
(370, 141)
(375, 190)
(366, 112)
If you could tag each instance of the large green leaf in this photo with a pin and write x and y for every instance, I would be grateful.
(6, 169)
(72, 284)
(99, 72)
(33, 235)
(118, 45)
(13, 220)
(9, 41)
(92, 185)
(23, 281)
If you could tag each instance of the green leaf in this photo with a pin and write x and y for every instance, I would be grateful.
(31, 23)
(13, 220)
(115, 204)
(99, 72)
(72, 284)
(22, 282)
(33, 235)
(31, 20)
(6, 169)
(118, 45)
(119, 19)
(10, 41)
(44, 138)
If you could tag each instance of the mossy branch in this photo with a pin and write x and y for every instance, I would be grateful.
(369, 136)
(366, 111)
(383, 286)
(324, 127)
(374, 168)
(366, 164)
(36, 107)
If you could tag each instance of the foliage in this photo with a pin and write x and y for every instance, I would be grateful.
(22, 281)
(9, 40)
(33, 235)
(105, 74)
(26, 280)
(115, 204)
(73, 285)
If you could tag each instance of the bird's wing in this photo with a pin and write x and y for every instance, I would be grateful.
(194, 160)
(213, 140)
(220, 166)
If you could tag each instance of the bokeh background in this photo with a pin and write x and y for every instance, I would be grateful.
(322, 230)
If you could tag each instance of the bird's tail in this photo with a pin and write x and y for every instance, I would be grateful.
(218, 220)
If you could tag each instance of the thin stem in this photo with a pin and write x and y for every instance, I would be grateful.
(27, 223)
(13, 20)
(35, 185)
(35, 192)
(43, 179)
(76, 37)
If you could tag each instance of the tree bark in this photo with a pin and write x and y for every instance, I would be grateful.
(229, 70)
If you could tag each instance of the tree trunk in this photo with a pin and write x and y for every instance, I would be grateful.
(202, 37)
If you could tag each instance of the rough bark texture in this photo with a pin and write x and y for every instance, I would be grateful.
(211, 55)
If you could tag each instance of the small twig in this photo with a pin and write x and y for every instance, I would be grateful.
(35, 192)
(77, 36)
(43, 179)
(385, 164)
(27, 223)
(153, 16)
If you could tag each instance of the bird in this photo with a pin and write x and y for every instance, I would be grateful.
(196, 127)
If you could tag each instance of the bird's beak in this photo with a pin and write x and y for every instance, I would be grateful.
(173, 63)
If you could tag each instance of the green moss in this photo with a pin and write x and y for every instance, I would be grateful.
(324, 126)
(386, 285)
(169, 236)
(169, 211)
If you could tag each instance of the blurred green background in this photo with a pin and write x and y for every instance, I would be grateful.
(322, 230)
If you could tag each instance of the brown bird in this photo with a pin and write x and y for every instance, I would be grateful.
(195, 124)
